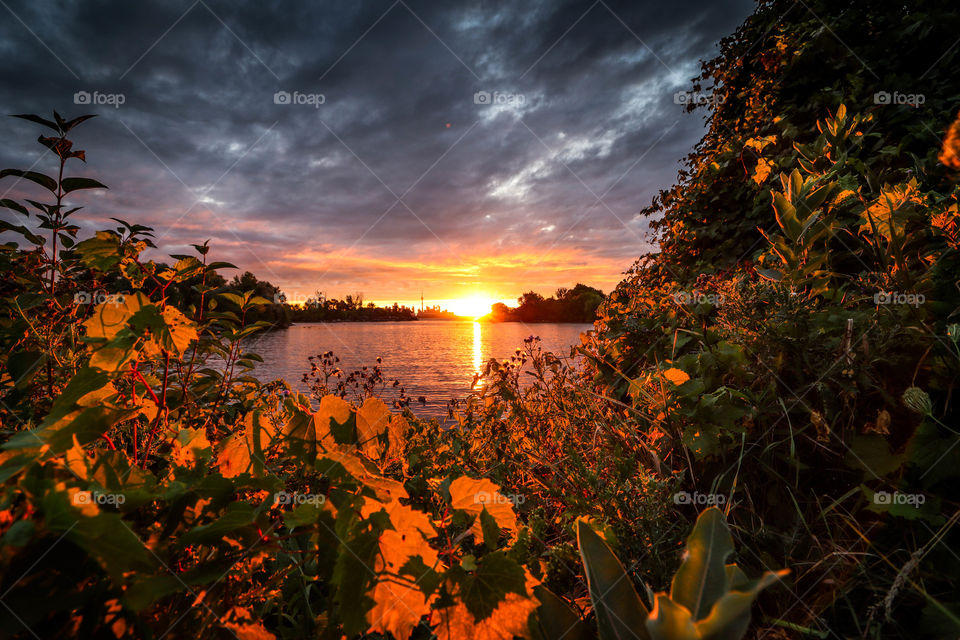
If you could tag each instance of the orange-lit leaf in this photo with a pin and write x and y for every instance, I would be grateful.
(399, 601)
(234, 457)
(373, 419)
(473, 496)
(508, 620)
(762, 171)
(241, 623)
(676, 376)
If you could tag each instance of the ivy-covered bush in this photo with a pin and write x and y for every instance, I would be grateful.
(812, 386)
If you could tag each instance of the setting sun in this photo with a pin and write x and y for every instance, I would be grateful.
(473, 307)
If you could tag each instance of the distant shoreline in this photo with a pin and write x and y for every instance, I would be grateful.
(458, 319)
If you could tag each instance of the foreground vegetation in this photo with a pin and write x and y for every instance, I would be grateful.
(782, 393)
(151, 486)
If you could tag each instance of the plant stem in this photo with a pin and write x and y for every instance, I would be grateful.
(161, 412)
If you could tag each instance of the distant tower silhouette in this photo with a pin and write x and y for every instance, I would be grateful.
(421, 299)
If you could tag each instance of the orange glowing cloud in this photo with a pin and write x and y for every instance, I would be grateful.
(443, 277)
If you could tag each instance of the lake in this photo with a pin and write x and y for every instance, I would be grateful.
(436, 359)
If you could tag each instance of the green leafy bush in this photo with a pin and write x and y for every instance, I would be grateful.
(709, 599)
(779, 383)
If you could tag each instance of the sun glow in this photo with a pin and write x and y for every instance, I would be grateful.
(472, 307)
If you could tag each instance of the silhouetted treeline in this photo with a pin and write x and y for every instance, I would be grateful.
(350, 309)
(567, 305)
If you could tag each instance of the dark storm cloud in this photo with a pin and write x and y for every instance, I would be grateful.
(199, 148)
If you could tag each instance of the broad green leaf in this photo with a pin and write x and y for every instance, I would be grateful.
(299, 437)
(19, 534)
(101, 252)
(771, 274)
(556, 620)
(938, 458)
(86, 425)
(426, 577)
(702, 577)
(736, 578)
(497, 575)
(786, 216)
(115, 355)
(490, 528)
(44, 181)
(113, 543)
(34, 118)
(190, 448)
(236, 522)
(620, 612)
(351, 575)
(75, 184)
(26, 233)
(142, 594)
(302, 515)
(213, 266)
(168, 329)
(23, 365)
(84, 382)
(335, 422)
(231, 297)
(872, 454)
(103, 535)
(670, 621)
(70, 124)
(730, 616)
(14, 205)
(178, 331)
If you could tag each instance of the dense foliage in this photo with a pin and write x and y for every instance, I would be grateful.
(806, 294)
(789, 357)
(787, 66)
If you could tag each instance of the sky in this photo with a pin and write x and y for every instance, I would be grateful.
(460, 149)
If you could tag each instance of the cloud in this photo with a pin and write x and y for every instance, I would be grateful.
(384, 171)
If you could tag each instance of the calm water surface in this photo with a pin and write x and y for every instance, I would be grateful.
(436, 359)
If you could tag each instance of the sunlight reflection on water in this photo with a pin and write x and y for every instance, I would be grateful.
(477, 348)
(432, 358)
